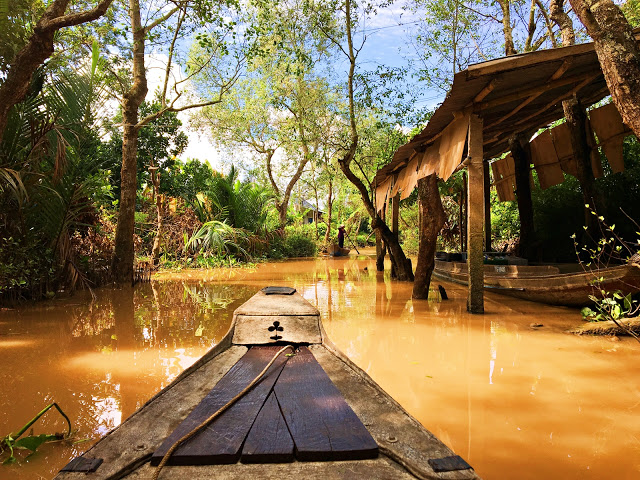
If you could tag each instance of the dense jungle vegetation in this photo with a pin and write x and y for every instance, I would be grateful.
(93, 173)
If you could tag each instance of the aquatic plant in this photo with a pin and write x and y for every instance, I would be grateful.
(32, 442)
(609, 249)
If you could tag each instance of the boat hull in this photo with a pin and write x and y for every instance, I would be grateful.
(546, 284)
(336, 251)
(405, 447)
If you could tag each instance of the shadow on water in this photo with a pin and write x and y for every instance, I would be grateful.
(505, 396)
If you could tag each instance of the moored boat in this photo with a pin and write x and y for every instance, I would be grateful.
(314, 414)
(545, 284)
(337, 251)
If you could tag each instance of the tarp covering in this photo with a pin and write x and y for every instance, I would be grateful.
(504, 178)
(608, 126)
(562, 142)
(545, 159)
(452, 144)
(381, 194)
(430, 160)
(411, 178)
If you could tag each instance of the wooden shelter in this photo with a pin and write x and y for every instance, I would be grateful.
(489, 103)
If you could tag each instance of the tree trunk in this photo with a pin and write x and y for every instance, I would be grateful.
(399, 261)
(432, 218)
(327, 234)
(124, 252)
(563, 20)
(618, 53)
(157, 241)
(507, 28)
(521, 153)
(38, 48)
(576, 118)
(160, 207)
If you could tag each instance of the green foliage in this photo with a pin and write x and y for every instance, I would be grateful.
(240, 204)
(186, 180)
(159, 143)
(505, 220)
(219, 239)
(50, 183)
(31, 442)
(600, 253)
(631, 10)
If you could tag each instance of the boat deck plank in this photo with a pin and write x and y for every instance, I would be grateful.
(322, 424)
(221, 441)
(269, 440)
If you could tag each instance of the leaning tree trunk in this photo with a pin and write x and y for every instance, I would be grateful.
(521, 153)
(38, 48)
(399, 261)
(432, 218)
(124, 253)
(618, 53)
(160, 208)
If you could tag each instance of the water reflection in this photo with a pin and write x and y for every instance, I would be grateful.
(506, 397)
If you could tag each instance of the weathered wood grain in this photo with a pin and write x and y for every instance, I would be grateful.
(129, 445)
(261, 304)
(269, 440)
(254, 329)
(321, 423)
(221, 441)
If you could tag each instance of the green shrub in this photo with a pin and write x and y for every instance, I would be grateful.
(299, 245)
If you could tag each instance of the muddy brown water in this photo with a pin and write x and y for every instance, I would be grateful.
(514, 401)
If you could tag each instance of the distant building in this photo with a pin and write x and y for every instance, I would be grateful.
(311, 212)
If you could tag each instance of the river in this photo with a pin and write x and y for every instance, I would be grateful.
(513, 400)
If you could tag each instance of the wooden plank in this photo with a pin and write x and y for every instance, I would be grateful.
(321, 423)
(222, 440)
(269, 440)
(556, 75)
(286, 305)
(488, 88)
(514, 62)
(83, 464)
(259, 329)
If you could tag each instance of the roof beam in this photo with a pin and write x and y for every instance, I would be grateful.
(557, 74)
(537, 90)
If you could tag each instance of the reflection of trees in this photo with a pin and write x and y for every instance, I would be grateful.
(158, 315)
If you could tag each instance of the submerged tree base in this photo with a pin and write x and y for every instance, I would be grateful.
(608, 327)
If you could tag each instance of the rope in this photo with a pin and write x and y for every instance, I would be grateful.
(186, 437)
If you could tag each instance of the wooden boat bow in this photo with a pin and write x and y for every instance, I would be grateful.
(406, 449)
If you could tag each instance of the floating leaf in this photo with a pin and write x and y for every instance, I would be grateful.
(32, 442)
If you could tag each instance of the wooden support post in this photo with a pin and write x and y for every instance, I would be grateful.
(487, 207)
(465, 206)
(395, 214)
(475, 257)
(379, 253)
